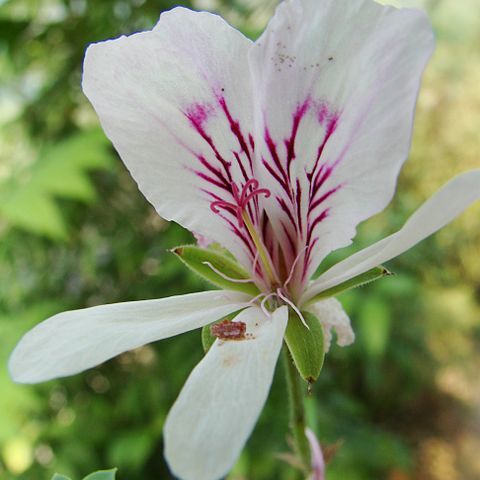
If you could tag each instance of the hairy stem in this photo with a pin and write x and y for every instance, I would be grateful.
(297, 411)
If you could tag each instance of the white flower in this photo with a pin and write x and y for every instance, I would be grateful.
(276, 149)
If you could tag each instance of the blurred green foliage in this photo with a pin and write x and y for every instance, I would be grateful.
(100, 475)
(75, 232)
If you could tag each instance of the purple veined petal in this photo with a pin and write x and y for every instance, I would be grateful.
(73, 341)
(222, 398)
(176, 102)
(335, 85)
(449, 202)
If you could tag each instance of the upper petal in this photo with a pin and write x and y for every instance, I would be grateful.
(222, 399)
(73, 341)
(335, 88)
(176, 103)
(435, 213)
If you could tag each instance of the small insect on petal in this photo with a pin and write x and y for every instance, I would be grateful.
(227, 330)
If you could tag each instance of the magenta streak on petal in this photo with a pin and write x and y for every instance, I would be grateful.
(281, 176)
(221, 178)
(320, 178)
(240, 165)
(283, 205)
(210, 180)
(318, 219)
(291, 243)
(298, 202)
(217, 173)
(197, 115)
(331, 127)
(236, 130)
(290, 143)
(251, 141)
(275, 175)
(324, 197)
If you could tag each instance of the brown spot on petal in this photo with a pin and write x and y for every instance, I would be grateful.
(229, 360)
(226, 330)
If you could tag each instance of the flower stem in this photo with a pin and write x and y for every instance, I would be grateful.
(297, 411)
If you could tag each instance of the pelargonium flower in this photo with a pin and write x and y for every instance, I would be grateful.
(276, 150)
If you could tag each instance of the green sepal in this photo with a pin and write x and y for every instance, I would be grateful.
(306, 345)
(102, 475)
(207, 338)
(362, 279)
(195, 258)
(57, 476)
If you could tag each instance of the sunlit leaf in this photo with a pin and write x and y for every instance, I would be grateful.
(102, 475)
(58, 476)
(28, 201)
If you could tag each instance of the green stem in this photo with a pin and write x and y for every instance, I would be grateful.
(297, 410)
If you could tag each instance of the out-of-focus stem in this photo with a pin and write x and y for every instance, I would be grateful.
(297, 411)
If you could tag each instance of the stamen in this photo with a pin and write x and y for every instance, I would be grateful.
(226, 277)
(214, 206)
(258, 191)
(292, 269)
(241, 199)
(254, 299)
(294, 307)
(245, 221)
(250, 183)
(263, 307)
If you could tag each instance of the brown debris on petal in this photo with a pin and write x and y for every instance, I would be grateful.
(226, 330)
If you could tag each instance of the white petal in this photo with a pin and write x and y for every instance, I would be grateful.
(336, 83)
(219, 405)
(331, 315)
(71, 342)
(176, 103)
(435, 213)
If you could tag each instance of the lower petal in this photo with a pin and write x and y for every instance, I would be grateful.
(219, 405)
(73, 341)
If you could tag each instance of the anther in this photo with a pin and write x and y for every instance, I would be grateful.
(241, 199)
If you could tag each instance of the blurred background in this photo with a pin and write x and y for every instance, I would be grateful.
(403, 402)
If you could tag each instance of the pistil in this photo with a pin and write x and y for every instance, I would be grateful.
(262, 252)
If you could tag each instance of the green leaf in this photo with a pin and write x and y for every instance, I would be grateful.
(102, 475)
(57, 476)
(306, 345)
(32, 210)
(201, 261)
(28, 197)
(207, 338)
(362, 279)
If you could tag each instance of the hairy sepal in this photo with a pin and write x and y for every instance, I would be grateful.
(207, 338)
(358, 281)
(306, 345)
(232, 276)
